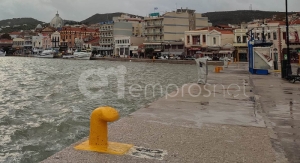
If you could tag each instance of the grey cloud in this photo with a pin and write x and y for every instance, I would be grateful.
(78, 10)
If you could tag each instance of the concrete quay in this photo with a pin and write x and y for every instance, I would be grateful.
(171, 61)
(222, 122)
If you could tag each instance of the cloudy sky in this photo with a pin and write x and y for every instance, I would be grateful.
(78, 10)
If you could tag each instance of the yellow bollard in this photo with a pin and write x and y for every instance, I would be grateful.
(217, 70)
(98, 141)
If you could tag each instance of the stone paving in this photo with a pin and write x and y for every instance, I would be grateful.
(221, 122)
(280, 102)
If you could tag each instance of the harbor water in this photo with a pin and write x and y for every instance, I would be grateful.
(42, 109)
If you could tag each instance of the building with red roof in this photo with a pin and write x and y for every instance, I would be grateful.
(68, 34)
(212, 41)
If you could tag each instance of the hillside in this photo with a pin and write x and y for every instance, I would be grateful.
(97, 18)
(19, 23)
(237, 17)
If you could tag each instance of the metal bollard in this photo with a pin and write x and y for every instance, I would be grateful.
(98, 139)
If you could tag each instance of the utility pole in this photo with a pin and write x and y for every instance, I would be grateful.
(289, 68)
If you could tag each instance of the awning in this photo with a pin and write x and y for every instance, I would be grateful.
(225, 52)
(172, 53)
(194, 49)
(152, 43)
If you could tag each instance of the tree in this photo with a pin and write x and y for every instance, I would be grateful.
(5, 36)
(149, 52)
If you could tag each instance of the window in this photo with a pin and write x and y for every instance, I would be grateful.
(245, 39)
(269, 36)
(214, 41)
(204, 38)
(238, 39)
(284, 35)
(274, 36)
(180, 46)
(188, 39)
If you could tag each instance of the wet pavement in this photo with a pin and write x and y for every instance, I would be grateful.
(280, 102)
(219, 123)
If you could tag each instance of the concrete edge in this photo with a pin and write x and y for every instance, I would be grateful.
(277, 147)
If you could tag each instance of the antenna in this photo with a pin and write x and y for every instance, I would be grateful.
(250, 7)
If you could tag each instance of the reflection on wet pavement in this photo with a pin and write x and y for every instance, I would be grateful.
(280, 101)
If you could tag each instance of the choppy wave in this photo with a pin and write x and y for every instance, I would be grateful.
(42, 110)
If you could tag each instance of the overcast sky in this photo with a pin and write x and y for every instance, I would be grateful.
(45, 10)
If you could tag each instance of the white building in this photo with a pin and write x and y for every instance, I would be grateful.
(208, 41)
(37, 42)
(126, 46)
(55, 39)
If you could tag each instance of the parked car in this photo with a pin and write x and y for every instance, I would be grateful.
(208, 58)
(162, 57)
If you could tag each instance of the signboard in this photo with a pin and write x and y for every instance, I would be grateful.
(154, 14)
(261, 58)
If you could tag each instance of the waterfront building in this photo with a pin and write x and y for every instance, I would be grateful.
(27, 43)
(70, 34)
(55, 40)
(137, 23)
(241, 44)
(167, 30)
(126, 46)
(209, 41)
(37, 41)
(108, 31)
(46, 41)
(275, 32)
(90, 43)
(57, 22)
(18, 45)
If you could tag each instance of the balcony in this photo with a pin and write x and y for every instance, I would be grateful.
(106, 42)
(151, 40)
(105, 48)
(106, 35)
(150, 25)
(106, 29)
(153, 33)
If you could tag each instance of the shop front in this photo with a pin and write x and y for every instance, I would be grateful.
(193, 51)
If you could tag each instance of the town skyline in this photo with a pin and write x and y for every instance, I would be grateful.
(67, 8)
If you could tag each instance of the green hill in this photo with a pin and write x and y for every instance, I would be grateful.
(17, 24)
(239, 16)
(97, 18)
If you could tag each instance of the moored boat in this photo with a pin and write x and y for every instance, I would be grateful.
(83, 54)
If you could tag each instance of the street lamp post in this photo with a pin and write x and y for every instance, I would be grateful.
(288, 67)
